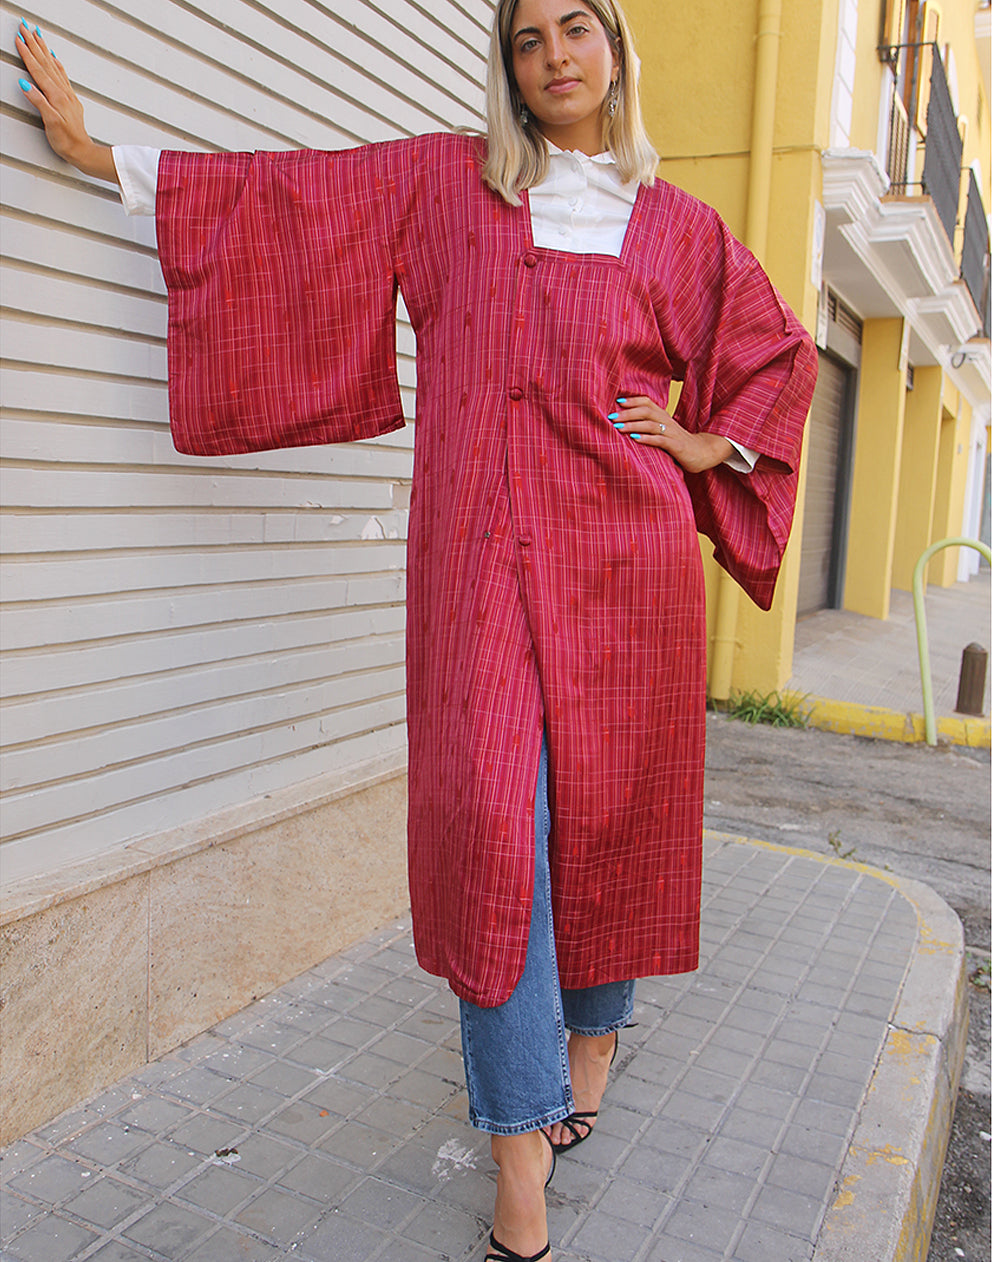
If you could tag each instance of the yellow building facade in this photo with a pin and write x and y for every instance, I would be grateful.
(847, 143)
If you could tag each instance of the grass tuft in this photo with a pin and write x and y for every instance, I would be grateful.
(772, 708)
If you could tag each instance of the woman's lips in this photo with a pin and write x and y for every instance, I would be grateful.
(561, 85)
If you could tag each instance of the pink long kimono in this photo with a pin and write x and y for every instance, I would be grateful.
(554, 570)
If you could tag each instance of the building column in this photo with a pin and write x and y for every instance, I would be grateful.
(875, 484)
(917, 474)
(952, 475)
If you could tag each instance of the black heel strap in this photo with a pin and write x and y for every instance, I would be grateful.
(503, 1254)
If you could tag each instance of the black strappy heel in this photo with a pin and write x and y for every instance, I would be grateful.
(585, 1120)
(500, 1253)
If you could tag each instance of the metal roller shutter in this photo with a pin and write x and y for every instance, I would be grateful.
(822, 555)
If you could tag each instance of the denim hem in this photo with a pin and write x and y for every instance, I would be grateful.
(521, 1128)
(599, 1031)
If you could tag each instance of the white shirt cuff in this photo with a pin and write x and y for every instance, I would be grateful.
(137, 174)
(743, 460)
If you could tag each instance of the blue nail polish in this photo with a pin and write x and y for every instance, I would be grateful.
(618, 424)
(637, 436)
(24, 85)
(37, 31)
(20, 37)
(621, 400)
(612, 416)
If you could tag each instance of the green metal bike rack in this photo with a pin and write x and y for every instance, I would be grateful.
(922, 642)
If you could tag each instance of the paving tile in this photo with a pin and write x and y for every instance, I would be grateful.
(302, 1121)
(624, 1198)
(810, 1178)
(198, 1085)
(15, 1213)
(789, 1211)
(51, 1239)
(278, 1215)
(169, 1229)
(226, 1245)
(424, 1089)
(761, 1243)
(661, 1171)
(385, 1113)
(233, 1060)
(305, 1017)
(154, 1114)
(735, 1156)
(248, 1103)
(109, 1143)
(813, 1144)
(284, 1079)
(52, 1179)
(263, 1155)
(705, 1225)
(320, 1178)
(339, 1237)
(360, 1146)
(207, 1134)
(667, 1248)
(120, 1251)
(160, 1165)
(720, 1188)
(671, 1135)
(105, 1203)
(341, 1098)
(606, 1237)
(381, 1204)
(319, 1053)
(218, 1189)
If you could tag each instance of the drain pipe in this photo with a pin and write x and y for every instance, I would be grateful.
(756, 239)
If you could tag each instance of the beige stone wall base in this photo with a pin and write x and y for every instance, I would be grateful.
(118, 962)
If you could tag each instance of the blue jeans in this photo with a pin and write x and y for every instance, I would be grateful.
(516, 1054)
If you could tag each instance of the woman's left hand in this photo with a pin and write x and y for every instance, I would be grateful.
(651, 426)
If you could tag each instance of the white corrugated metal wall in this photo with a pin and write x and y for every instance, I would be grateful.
(181, 635)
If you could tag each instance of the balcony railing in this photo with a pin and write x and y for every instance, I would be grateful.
(975, 252)
(942, 164)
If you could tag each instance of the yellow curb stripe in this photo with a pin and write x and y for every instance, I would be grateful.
(852, 719)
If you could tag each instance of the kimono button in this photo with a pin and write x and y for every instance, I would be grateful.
(530, 259)
(516, 394)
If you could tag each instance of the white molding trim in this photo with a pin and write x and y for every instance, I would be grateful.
(891, 257)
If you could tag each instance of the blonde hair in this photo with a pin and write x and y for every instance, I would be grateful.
(517, 156)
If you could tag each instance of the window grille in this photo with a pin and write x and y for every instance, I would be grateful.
(942, 164)
(975, 253)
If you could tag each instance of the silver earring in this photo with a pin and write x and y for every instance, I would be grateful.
(524, 115)
(614, 92)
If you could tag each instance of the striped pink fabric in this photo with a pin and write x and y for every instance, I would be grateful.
(554, 571)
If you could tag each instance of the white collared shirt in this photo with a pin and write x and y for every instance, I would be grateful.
(581, 206)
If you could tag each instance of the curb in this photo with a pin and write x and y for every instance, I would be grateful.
(890, 1179)
(853, 719)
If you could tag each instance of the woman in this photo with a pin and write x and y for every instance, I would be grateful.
(555, 615)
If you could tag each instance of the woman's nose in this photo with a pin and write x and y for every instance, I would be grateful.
(555, 54)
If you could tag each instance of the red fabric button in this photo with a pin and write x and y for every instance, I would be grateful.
(530, 259)
(516, 394)
(524, 541)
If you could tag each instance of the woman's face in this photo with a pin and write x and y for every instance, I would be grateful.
(563, 63)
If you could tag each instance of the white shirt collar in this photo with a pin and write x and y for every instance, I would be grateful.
(603, 159)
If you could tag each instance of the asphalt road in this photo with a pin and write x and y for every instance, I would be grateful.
(921, 813)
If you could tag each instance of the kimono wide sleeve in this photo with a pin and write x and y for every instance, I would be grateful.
(749, 373)
(282, 277)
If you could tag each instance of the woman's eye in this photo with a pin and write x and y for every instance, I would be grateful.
(526, 45)
(578, 30)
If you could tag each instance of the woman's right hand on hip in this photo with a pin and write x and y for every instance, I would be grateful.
(61, 110)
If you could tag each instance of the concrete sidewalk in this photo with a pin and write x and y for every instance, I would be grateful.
(862, 675)
(789, 1101)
